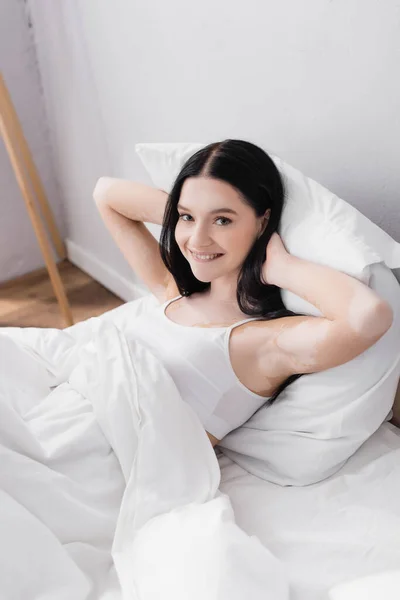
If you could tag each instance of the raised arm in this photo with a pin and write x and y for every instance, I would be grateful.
(134, 200)
(124, 207)
(355, 316)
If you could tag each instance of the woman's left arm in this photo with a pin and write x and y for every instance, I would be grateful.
(355, 317)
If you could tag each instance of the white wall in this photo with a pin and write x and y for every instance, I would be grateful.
(315, 82)
(19, 249)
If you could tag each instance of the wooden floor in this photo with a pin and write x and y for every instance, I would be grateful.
(29, 301)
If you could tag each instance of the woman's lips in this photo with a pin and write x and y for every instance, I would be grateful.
(207, 257)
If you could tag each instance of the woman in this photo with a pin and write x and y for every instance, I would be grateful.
(220, 261)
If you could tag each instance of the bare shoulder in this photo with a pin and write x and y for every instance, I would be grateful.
(275, 360)
(255, 357)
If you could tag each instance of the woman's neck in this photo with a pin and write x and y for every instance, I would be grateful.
(223, 291)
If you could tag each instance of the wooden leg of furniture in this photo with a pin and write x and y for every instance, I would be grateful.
(23, 165)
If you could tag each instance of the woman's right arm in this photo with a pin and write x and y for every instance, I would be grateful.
(136, 201)
(124, 207)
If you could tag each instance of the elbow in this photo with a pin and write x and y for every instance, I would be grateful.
(377, 321)
(101, 189)
(384, 316)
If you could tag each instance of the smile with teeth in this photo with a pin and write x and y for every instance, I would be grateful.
(204, 257)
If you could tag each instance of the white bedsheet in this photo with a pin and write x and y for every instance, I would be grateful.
(338, 530)
(71, 490)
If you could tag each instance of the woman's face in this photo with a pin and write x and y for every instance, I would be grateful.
(216, 229)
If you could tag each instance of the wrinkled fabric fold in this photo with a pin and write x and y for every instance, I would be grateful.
(176, 536)
(109, 479)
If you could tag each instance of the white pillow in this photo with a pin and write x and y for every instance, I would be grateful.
(316, 225)
(321, 419)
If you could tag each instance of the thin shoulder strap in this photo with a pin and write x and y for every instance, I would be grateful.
(242, 322)
(171, 300)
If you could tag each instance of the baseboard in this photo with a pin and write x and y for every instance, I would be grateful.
(121, 287)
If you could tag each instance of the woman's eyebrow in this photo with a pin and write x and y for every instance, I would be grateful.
(216, 210)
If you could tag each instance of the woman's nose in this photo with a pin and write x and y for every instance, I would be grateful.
(200, 236)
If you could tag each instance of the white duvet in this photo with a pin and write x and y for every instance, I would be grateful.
(109, 484)
(110, 490)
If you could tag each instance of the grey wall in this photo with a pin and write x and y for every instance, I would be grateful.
(314, 82)
(19, 250)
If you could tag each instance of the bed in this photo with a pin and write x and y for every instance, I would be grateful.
(65, 469)
(334, 531)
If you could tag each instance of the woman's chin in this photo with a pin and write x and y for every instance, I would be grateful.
(202, 274)
(202, 277)
(207, 272)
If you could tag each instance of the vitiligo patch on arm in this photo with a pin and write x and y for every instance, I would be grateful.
(315, 344)
(305, 340)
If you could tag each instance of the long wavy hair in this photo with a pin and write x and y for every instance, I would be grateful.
(254, 175)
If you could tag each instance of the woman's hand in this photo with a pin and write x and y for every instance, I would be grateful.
(276, 259)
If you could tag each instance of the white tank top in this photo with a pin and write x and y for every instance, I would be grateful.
(197, 358)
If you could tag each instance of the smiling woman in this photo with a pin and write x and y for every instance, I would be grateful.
(221, 202)
(232, 345)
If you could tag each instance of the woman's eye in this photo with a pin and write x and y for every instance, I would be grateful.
(224, 219)
(184, 215)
